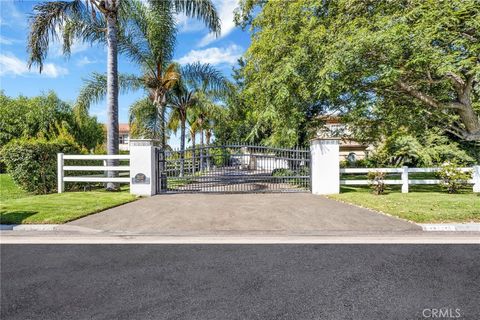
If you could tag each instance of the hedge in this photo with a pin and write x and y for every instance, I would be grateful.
(32, 163)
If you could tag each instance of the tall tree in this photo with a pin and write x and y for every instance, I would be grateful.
(197, 82)
(148, 39)
(206, 115)
(366, 59)
(85, 20)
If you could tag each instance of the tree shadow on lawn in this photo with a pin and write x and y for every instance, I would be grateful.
(15, 217)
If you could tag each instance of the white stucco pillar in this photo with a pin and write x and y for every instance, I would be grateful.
(142, 167)
(476, 179)
(325, 165)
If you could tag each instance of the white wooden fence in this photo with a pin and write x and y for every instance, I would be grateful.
(404, 180)
(61, 169)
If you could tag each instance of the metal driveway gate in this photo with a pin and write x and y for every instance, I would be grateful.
(233, 169)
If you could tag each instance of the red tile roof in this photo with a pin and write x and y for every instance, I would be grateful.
(123, 127)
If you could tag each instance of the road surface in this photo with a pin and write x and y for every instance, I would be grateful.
(239, 281)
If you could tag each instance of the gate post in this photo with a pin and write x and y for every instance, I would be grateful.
(476, 178)
(325, 165)
(143, 167)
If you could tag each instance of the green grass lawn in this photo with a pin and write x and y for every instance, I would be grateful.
(8, 190)
(17, 207)
(424, 204)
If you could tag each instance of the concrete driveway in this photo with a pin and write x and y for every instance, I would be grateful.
(207, 214)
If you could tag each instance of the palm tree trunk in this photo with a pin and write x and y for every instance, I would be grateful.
(201, 149)
(159, 101)
(182, 146)
(193, 134)
(163, 133)
(112, 96)
(163, 128)
(208, 135)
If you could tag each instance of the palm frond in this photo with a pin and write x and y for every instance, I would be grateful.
(48, 22)
(161, 34)
(174, 120)
(147, 35)
(203, 10)
(94, 89)
(171, 76)
(204, 77)
(133, 35)
(144, 119)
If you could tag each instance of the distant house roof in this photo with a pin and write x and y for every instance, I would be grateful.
(123, 127)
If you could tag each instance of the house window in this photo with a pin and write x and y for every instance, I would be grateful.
(123, 139)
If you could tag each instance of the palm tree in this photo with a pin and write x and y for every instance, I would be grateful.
(193, 130)
(207, 116)
(87, 20)
(148, 39)
(144, 119)
(196, 80)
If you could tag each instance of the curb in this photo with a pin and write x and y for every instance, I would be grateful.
(428, 227)
(451, 227)
(46, 227)
(29, 227)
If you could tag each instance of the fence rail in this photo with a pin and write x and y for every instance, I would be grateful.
(61, 169)
(404, 179)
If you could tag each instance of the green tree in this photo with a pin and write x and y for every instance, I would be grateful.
(148, 39)
(407, 58)
(84, 20)
(46, 116)
(197, 86)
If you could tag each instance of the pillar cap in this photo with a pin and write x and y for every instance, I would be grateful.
(331, 138)
(144, 142)
(326, 140)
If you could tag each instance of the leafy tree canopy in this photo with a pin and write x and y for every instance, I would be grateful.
(382, 64)
(46, 116)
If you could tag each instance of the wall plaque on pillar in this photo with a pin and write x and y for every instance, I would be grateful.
(140, 178)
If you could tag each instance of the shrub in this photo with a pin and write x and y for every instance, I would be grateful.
(32, 163)
(377, 181)
(47, 116)
(430, 149)
(219, 156)
(453, 179)
(281, 172)
(360, 163)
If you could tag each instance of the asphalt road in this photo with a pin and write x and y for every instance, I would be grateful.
(240, 281)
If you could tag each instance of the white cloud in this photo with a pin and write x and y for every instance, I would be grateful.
(186, 24)
(53, 71)
(11, 16)
(85, 61)
(225, 10)
(5, 40)
(56, 48)
(11, 65)
(214, 56)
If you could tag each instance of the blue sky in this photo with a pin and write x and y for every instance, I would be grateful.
(64, 76)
